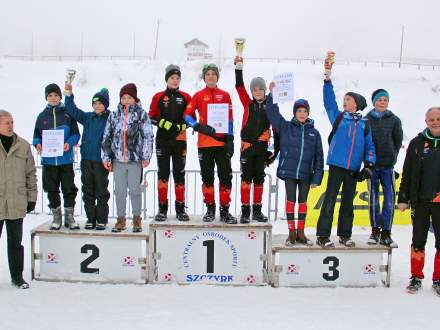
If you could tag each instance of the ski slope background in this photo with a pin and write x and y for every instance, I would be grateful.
(92, 306)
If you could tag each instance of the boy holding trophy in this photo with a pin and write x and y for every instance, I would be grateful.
(55, 135)
(94, 177)
(255, 136)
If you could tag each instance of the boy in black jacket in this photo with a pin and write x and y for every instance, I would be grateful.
(420, 188)
(386, 129)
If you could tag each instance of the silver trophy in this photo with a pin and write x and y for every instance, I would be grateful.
(239, 46)
(70, 76)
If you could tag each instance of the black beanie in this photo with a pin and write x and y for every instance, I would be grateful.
(170, 70)
(53, 88)
(361, 102)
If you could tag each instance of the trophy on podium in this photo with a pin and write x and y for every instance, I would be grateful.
(239, 46)
(70, 76)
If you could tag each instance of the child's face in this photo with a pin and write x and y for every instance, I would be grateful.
(53, 99)
(211, 78)
(349, 104)
(127, 100)
(6, 125)
(258, 94)
(98, 107)
(301, 114)
(173, 82)
(381, 104)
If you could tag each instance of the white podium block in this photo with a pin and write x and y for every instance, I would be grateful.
(209, 253)
(89, 255)
(303, 266)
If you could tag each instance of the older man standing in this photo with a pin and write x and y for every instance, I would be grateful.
(420, 188)
(18, 192)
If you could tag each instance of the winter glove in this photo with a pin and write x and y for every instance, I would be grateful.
(30, 206)
(270, 158)
(365, 173)
(229, 146)
(181, 127)
(238, 62)
(165, 124)
(204, 129)
(396, 175)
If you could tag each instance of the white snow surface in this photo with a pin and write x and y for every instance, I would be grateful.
(101, 306)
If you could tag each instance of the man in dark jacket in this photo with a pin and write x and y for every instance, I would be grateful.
(94, 177)
(386, 129)
(420, 189)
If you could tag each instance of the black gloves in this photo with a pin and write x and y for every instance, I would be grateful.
(271, 156)
(204, 129)
(365, 173)
(229, 146)
(30, 207)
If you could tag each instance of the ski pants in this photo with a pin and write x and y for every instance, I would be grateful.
(424, 214)
(53, 177)
(336, 177)
(94, 179)
(14, 230)
(167, 150)
(209, 157)
(384, 178)
(253, 163)
(128, 176)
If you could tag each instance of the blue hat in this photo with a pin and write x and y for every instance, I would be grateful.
(379, 93)
(301, 103)
(103, 97)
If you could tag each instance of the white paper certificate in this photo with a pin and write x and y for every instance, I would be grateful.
(218, 117)
(284, 88)
(53, 143)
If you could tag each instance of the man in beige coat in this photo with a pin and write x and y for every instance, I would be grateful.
(18, 192)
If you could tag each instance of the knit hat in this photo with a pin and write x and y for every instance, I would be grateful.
(212, 67)
(379, 93)
(52, 88)
(360, 101)
(301, 103)
(103, 97)
(172, 69)
(258, 82)
(129, 89)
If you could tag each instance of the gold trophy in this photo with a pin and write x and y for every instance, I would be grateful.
(239, 46)
(70, 76)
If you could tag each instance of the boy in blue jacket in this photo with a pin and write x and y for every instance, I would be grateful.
(301, 163)
(94, 177)
(350, 144)
(58, 170)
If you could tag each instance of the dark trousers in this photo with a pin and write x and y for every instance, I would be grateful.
(336, 177)
(94, 179)
(253, 163)
(53, 177)
(14, 229)
(297, 191)
(171, 150)
(424, 214)
(210, 157)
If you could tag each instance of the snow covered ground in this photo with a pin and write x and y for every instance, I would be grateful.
(91, 306)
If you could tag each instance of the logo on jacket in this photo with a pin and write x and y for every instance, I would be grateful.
(206, 98)
(219, 97)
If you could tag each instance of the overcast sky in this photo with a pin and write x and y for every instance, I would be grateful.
(282, 28)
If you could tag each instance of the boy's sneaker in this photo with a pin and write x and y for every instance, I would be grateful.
(325, 242)
(57, 219)
(346, 241)
(245, 214)
(137, 224)
(20, 283)
(385, 239)
(120, 225)
(436, 287)
(101, 226)
(69, 220)
(414, 285)
(374, 237)
(90, 225)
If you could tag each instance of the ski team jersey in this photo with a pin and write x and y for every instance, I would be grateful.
(200, 102)
(169, 105)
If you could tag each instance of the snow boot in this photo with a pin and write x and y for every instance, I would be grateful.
(162, 214)
(245, 214)
(137, 224)
(227, 217)
(301, 238)
(57, 219)
(414, 285)
(257, 214)
(181, 215)
(69, 219)
(210, 213)
(120, 225)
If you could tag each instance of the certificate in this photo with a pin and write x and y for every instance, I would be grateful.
(283, 91)
(218, 117)
(53, 143)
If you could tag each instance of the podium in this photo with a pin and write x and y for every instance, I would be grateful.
(89, 255)
(303, 266)
(209, 253)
